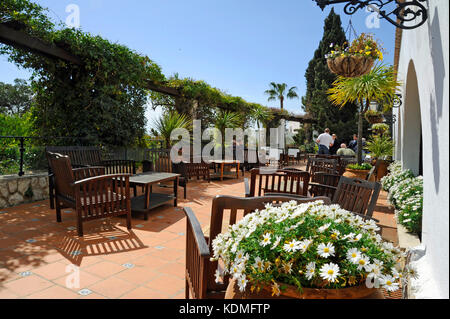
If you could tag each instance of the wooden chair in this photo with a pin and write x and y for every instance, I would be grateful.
(85, 156)
(92, 194)
(189, 171)
(324, 184)
(200, 271)
(326, 165)
(344, 161)
(277, 181)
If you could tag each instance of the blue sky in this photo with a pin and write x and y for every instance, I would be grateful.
(237, 46)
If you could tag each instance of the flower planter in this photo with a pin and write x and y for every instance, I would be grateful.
(350, 66)
(291, 292)
(357, 173)
(375, 119)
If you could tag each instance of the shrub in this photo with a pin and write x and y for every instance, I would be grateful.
(362, 167)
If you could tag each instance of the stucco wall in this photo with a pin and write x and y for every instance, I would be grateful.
(425, 51)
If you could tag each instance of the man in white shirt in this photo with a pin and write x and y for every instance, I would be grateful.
(325, 141)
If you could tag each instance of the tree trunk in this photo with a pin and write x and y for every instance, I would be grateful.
(360, 132)
(282, 102)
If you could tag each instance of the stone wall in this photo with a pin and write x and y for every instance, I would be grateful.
(15, 190)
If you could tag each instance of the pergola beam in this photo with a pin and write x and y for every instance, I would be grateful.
(21, 40)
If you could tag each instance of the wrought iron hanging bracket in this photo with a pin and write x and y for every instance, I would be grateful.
(407, 14)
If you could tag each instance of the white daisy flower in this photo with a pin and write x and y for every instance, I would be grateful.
(353, 255)
(218, 276)
(242, 283)
(310, 270)
(388, 283)
(276, 243)
(259, 264)
(304, 245)
(329, 272)
(266, 240)
(324, 228)
(287, 267)
(292, 246)
(364, 263)
(325, 251)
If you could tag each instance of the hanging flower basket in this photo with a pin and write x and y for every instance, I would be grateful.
(350, 66)
(374, 117)
(357, 59)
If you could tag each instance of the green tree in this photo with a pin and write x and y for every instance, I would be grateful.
(168, 122)
(280, 91)
(261, 115)
(15, 99)
(379, 86)
(319, 79)
(227, 119)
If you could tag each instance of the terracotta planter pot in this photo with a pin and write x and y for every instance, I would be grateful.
(382, 169)
(357, 173)
(360, 292)
(351, 66)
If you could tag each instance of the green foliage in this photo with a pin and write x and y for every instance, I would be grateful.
(15, 98)
(362, 167)
(319, 79)
(103, 100)
(380, 128)
(169, 122)
(380, 146)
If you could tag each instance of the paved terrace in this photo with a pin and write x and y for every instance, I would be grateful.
(148, 262)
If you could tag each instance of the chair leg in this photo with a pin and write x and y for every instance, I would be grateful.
(79, 225)
(58, 210)
(51, 191)
(186, 290)
(129, 221)
(185, 192)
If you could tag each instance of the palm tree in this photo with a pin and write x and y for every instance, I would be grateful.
(261, 115)
(278, 91)
(170, 121)
(379, 86)
(227, 119)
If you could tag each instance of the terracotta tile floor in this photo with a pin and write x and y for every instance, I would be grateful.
(40, 258)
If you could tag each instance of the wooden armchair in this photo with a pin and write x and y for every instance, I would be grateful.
(200, 271)
(265, 182)
(327, 165)
(189, 171)
(92, 194)
(324, 184)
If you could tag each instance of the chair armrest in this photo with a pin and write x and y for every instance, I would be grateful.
(247, 187)
(87, 172)
(197, 233)
(95, 179)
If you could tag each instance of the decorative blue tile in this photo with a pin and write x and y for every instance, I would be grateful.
(159, 217)
(160, 247)
(112, 237)
(71, 228)
(35, 220)
(25, 274)
(85, 292)
(76, 253)
(2, 213)
(128, 265)
(31, 241)
(67, 211)
(181, 234)
(37, 205)
(139, 226)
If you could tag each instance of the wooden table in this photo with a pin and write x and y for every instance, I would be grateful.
(144, 203)
(222, 164)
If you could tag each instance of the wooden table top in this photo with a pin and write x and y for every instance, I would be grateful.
(152, 178)
(224, 161)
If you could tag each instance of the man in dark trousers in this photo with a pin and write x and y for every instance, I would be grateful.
(335, 147)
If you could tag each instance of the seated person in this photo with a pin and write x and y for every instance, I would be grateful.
(344, 151)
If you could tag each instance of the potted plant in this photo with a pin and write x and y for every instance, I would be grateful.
(355, 60)
(381, 148)
(308, 250)
(380, 128)
(357, 170)
(374, 117)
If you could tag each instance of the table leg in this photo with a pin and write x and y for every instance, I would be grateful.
(222, 165)
(147, 200)
(175, 192)
(237, 170)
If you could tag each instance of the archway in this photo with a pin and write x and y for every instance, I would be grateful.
(412, 125)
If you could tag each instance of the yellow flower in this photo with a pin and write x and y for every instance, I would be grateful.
(380, 55)
(361, 51)
(368, 53)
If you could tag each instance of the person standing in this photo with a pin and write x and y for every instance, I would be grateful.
(353, 145)
(335, 147)
(325, 141)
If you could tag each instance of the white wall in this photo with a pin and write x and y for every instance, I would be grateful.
(425, 50)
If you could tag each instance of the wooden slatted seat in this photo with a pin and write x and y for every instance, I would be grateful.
(92, 197)
(200, 271)
(280, 181)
